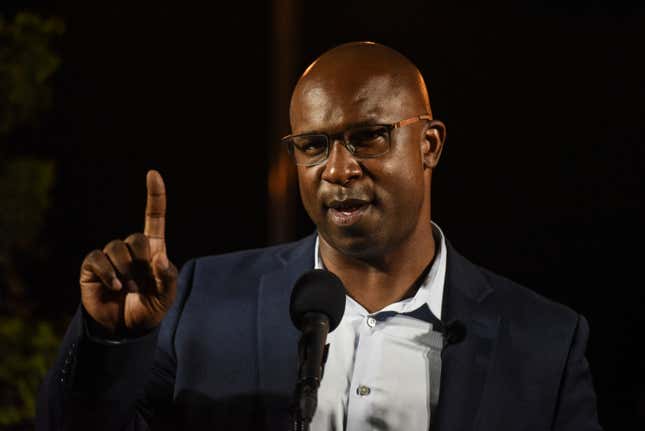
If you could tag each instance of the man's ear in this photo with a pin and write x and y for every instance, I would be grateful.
(434, 138)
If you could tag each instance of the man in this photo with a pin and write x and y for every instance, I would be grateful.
(219, 350)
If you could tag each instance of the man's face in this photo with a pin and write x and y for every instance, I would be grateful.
(362, 208)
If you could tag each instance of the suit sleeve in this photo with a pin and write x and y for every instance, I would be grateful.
(576, 409)
(105, 385)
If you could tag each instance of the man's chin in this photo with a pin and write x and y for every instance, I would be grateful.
(353, 242)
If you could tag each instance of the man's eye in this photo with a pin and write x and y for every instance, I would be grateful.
(370, 136)
(310, 146)
(313, 148)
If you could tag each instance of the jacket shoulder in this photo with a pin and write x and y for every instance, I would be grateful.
(246, 263)
(524, 306)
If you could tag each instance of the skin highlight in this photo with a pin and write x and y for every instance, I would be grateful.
(381, 253)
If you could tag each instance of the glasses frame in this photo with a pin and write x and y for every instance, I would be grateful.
(343, 138)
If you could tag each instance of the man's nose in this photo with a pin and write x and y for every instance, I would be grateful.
(341, 167)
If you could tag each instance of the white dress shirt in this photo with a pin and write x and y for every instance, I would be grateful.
(377, 375)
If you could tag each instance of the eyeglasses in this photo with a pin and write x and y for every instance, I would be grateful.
(364, 142)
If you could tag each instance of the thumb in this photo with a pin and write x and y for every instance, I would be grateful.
(165, 274)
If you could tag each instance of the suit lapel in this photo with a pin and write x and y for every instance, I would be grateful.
(465, 365)
(277, 337)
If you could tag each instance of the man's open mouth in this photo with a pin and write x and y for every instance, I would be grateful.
(347, 212)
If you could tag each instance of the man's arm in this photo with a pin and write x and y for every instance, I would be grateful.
(98, 384)
(576, 409)
(127, 290)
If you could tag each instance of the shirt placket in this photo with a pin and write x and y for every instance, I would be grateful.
(362, 392)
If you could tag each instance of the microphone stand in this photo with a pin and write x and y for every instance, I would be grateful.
(312, 356)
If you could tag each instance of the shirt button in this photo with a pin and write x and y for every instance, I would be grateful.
(363, 390)
(371, 322)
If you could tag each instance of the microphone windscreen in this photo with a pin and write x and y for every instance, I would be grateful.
(318, 291)
(454, 332)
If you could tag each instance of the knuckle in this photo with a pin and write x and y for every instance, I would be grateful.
(93, 256)
(113, 246)
(95, 253)
(138, 242)
(136, 238)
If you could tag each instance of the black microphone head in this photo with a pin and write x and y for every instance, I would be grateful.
(454, 332)
(318, 291)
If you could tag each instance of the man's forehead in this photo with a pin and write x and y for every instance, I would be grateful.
(326, 104)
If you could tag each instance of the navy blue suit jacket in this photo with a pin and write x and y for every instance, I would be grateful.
(225, 356)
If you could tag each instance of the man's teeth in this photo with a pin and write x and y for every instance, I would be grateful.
(349, 209)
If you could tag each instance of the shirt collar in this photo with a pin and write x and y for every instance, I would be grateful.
(430, 292)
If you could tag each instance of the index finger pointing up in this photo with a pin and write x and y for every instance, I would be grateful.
(155, 225)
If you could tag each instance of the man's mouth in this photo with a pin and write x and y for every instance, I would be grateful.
(347, 212)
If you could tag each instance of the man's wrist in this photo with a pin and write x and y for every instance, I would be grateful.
(100, 334)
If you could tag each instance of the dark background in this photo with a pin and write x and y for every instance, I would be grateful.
(540, 179)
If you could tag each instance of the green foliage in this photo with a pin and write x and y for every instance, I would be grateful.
(27, 345)
(26, 61)
(28, 349)
(25, 185)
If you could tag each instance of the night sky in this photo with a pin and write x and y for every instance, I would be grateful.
(540, 180)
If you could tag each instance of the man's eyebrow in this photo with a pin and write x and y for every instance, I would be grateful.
(362, 123)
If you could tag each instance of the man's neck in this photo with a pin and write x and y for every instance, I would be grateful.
(377, 284)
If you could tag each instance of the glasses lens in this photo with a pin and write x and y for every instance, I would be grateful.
(369, 141)
(308, 149)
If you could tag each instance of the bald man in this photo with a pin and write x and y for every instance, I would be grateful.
(427, 339)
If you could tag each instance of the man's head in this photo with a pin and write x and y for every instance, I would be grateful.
(365, 207)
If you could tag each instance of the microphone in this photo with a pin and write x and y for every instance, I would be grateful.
(453, 332)
(316, 308)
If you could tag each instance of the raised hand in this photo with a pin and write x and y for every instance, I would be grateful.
(128, 287)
